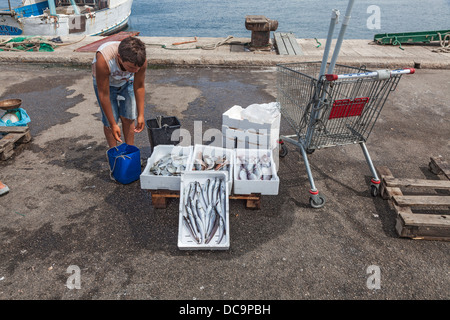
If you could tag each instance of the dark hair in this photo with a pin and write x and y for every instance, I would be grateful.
(132, 50)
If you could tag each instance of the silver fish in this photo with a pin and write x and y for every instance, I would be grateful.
(215, 190)
(257, 171)
(242, 174)
(214, 227)
(206, 190)
(191, 219)
(222, 230)
(190, 229)
(223, 195)
(209, 215)
(168, 165)
(198, 221)
(205, 207)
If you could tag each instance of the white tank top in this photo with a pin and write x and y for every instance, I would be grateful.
(117, 77)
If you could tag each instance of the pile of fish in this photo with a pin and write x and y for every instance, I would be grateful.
(204, 162)
(169, 165)
(204, 211)
(254, 167)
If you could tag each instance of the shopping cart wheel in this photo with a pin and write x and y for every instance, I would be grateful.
(317, 201)
(283, 149)
(374, 190)
(310, 151)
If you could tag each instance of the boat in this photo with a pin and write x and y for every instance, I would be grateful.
(65, 17)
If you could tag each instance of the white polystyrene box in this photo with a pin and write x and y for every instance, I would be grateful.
(233, 118)
(217, 151)
(154, 182)
(265, 187)
(249, 138)
(185, 240)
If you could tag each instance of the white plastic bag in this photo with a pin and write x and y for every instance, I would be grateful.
(261, 113)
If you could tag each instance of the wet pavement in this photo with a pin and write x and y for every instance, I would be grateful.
(63, 210)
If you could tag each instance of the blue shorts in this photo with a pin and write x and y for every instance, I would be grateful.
(123, 103)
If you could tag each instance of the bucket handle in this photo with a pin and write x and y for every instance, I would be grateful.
(123, 156)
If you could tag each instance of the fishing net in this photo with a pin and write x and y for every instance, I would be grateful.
(28, 43)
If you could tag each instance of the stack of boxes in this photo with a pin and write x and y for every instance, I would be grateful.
(243, 132)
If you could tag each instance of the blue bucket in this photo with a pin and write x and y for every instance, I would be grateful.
(124, 163)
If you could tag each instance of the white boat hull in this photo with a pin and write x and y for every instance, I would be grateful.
(101, 22)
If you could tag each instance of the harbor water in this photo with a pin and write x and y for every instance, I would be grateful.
(305, 18)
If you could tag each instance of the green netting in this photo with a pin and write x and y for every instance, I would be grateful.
(29, 43)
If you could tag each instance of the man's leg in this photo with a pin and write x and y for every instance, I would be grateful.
(128, 130)
(127, 112)
(109, 137)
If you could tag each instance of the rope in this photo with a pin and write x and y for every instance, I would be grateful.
(396, 42)
(32, 43)
(318, 43)
(215, 45)
(204, 47)
(444, 47)
(442, 40)
(111, 171)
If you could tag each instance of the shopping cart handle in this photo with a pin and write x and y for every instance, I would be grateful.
(380, 74)
(404, 71)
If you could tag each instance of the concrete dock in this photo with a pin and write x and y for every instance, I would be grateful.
(64, 213)
(230, 52)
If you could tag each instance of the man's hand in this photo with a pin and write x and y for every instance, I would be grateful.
(140, 125)
(115, 129)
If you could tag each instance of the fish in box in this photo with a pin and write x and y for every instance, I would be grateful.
(213, 159)
(255, 172)
(165, 166)
(203, 211)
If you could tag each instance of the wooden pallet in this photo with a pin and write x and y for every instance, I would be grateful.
(161, 197)
(419, 216)
(438, 165)
(14, 136)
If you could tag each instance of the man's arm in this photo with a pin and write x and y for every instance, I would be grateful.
(139, 93)
(102, 77)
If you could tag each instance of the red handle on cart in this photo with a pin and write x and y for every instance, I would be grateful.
(380, 74)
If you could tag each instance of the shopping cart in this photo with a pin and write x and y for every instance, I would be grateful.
(332, 109)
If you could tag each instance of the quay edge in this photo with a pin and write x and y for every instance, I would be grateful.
(161, 52)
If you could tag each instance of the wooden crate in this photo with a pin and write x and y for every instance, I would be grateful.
(14, 136)
(160, 198)
(425, 215)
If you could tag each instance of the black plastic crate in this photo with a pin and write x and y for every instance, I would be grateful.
(163, 132)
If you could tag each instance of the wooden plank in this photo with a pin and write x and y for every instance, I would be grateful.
(385, 191)
(293, 44)
(287, 44)
(417, 183)
(423, 230)
(14, 129)
(422, 219)
(252, 201)
(160, 197)
(416, 201)
(280, 44)
(438, 165)
(8, 141)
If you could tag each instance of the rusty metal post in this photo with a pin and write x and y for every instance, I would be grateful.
(260, 27)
